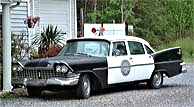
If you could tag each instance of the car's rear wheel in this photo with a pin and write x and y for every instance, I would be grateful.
(84, 87)
(34, 91)
(156, 80)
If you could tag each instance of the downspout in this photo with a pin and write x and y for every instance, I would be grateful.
(75, 8)
(6, 47)
(6, 28)
(70, 30)
(14, 6)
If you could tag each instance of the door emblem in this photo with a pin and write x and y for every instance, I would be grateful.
(125, 67)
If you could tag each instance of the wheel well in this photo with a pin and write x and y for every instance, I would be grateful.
(162, 72)
(95, 82)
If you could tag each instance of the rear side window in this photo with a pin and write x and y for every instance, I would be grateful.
(149, 51)
(135, 48)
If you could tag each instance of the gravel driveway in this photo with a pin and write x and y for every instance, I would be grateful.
(176, 91)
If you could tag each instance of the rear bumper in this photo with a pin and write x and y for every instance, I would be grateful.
(16, 82)
(184, 69)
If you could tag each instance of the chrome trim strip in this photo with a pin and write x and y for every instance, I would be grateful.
(164, 62)
(20, 64)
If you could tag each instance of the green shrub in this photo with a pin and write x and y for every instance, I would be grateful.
(20, 49)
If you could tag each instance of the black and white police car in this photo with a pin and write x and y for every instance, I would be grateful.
(87, 64)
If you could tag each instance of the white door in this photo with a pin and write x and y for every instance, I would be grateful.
(143, 63)
(119, 69)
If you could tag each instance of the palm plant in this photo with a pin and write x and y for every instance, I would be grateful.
(49, 37)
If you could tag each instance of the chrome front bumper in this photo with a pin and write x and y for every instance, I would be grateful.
(45, 82)
(184, 69)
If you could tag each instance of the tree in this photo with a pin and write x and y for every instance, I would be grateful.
(114, 10)
(180, 15)
(157, 21)
(153, 24)
(49, 37)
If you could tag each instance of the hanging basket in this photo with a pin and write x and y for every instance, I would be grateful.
(31, 21)
(29, 24)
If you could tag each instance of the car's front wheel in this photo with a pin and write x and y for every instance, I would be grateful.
(156, 80)
(84, 87)
(34, 91)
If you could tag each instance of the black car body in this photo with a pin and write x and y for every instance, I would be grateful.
(94, 63)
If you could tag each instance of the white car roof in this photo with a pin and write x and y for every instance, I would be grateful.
(118, 38)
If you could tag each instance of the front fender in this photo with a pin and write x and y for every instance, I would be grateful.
(97, 82)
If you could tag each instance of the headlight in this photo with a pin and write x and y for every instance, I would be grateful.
(17, 68)
(62, 68)
(14, 68)
(58, 68)
(20, 68)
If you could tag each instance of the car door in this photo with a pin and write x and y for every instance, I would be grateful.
(143, 63)
(119, 69)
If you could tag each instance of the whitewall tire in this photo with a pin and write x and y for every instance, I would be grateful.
(156, 80)
(84, 87)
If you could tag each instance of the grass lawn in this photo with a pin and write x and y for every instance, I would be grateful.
(187, 45)
(189, 59)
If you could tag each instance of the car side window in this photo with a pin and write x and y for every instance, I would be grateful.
(149, 51)
(119, 46)
(135, 48)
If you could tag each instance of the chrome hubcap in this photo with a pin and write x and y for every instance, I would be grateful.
(87, 86)
(157, 79)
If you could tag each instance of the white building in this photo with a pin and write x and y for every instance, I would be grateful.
(60, 13)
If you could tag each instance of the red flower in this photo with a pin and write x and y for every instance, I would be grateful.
(31, 21)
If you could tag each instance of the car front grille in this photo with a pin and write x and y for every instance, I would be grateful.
(40, 74)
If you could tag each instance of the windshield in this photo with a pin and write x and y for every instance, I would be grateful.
(92, 48)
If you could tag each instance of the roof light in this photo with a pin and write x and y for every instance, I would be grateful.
(93, 30)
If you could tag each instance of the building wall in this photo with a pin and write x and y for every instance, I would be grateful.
(18, 15)
(60, 13)
(74, 18)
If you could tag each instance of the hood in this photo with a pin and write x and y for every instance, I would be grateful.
(75, 62)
